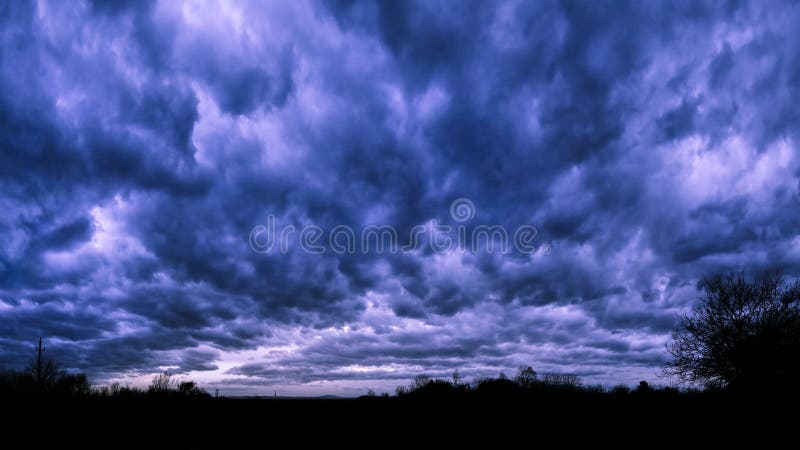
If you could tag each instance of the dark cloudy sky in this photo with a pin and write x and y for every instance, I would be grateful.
(648, 142)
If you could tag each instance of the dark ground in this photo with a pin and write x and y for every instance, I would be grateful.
(679, 420)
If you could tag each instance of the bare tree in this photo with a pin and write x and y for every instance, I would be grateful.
(420, 381)
(162, 384)
(743, 334)
(45, 372)
(457, 378)
(526, 377)
(567, 381)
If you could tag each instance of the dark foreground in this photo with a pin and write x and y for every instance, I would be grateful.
(682, 419)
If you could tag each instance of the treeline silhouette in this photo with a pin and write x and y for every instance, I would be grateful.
(46, 379)
(526, 383)
(742, 337)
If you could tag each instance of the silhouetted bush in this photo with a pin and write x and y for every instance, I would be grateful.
(526, 378)
(565, 382)
(595, 389)
(163, 384)
(49, 381)
(74, 385)
(423, 386)
(620, 389)
(497, 388)
(117, 390)
(643, 388)
(190, 389)
(14, 382)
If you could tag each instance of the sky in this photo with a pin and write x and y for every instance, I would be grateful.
(151, 150)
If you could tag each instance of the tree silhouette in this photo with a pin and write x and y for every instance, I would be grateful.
(46, 373)
(743, 335)
(162, 384)
(562, 381)
(191, 389)
(526, 377)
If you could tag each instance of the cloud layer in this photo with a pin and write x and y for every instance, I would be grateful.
(141, 142)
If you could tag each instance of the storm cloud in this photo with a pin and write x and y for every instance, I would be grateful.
(649, 143)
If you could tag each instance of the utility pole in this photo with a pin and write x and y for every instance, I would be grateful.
(39, 349)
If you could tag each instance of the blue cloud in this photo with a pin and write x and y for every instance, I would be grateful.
(141, 142)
